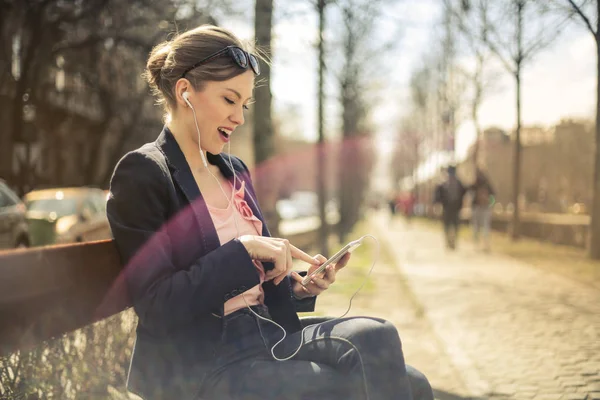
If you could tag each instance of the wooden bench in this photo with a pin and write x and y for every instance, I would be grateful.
(48, 291)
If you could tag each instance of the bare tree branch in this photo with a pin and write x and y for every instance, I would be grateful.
(486, 29)
(544, 40)
(509, 67)
(585, 19)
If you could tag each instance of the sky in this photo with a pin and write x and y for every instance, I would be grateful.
(559, 83)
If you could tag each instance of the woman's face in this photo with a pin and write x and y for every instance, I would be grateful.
(220, 110)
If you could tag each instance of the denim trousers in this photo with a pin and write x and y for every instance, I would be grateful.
(481, 217)
(349, 358)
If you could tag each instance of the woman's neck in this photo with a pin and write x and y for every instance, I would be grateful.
(188, 146)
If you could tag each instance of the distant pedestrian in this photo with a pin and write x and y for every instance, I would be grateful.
(450, 195)
(393, 203)
(407, 201)
(481, 208)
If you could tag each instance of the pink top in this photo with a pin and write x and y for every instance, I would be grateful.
(248, 224)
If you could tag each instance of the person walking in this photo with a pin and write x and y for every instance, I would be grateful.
(481, 209)
(450, 195)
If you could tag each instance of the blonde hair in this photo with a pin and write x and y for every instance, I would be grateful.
(168, 61)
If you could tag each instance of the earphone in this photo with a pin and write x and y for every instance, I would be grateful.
(185, 95)
(186, 98)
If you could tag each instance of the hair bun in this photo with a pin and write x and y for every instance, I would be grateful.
(156, 63)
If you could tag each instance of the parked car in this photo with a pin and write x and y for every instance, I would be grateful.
(66, 215)
(13, 224)
(303, 204)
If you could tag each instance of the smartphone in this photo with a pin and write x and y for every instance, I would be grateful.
(333, 259)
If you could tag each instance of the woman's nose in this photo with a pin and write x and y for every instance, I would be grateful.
(238, 117)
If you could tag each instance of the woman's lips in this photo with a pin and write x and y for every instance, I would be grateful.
(223, 135)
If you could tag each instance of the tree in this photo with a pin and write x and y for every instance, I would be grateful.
(323, 227)
(30, 31)
(592, 24)
(71, 94)
(353, 61)
(529, 28)
(476, 75)
(264, 134)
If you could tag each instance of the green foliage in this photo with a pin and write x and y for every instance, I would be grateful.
(90, 363)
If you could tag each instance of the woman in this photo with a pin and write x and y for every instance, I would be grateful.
(205, 278)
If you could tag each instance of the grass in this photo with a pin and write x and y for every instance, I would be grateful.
(352, 276)
(565, 260)
(349, 279)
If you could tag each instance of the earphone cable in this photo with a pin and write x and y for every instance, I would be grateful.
(302, 343)
(230, 200)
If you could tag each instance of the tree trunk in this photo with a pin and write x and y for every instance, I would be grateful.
(594, 239)
(517, 162)
(323, 229)
(517, 149)
(478, 85)
(264, 142)
(474, 116)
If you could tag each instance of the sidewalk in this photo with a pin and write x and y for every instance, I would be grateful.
(511, 330)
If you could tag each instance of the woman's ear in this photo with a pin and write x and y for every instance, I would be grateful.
(183, 86)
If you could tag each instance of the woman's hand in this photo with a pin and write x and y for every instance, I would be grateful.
(320, 282)
(275, 250)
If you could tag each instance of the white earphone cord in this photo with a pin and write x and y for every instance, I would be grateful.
(375, 259)
(205, 162)
(230, 200)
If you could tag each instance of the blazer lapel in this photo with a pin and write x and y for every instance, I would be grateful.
(182, 175)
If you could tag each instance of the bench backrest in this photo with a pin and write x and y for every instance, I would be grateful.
(48, 291)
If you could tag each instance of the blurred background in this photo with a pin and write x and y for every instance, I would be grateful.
(365, 105)
(401, 89)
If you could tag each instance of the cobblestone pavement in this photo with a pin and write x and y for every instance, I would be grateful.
(512, 331)
(391, 299)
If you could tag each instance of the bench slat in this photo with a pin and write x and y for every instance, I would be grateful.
(48, 291)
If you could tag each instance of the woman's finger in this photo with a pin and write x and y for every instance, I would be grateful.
(289, 263)
(320, 283)
(320, 258)
(330, 273)
(299, 254)
(343, 261)
(298, 278)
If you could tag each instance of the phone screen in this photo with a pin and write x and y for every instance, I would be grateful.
(333, 259)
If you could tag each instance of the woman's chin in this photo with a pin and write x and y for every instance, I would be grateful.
(215, 150)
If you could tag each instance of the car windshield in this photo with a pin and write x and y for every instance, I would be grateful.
(62, 207)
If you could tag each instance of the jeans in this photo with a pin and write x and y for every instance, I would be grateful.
(451, 220)
(481, 220)
(349, 358)
(419, 384)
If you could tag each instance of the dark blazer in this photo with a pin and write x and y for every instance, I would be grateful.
(177, 272)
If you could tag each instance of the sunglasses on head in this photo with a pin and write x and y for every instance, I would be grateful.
(242, 58)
